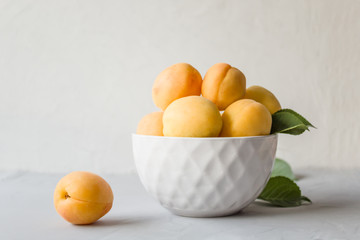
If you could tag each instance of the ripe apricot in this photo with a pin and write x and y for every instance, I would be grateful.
(223, 85)
(192, 116)
(246, 117)
(177, 81)
(82, 197)
(151, 124)
(263, 96)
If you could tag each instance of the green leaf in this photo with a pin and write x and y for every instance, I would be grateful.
(282, 168)
(303, 120)
(283, 192)
(290, 122)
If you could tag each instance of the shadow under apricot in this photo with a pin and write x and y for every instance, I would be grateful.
(120, 221)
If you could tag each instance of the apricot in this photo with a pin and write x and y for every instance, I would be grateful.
(151, 124)
(263, 96)
(223, 85)
(192, 116)
(177, 81)
(246, 117)
(82, 197)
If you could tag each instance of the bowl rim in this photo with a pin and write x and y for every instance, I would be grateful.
(205, 138)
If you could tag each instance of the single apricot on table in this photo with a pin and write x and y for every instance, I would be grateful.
(151, 124)
(246, 117)
(223, 85)
(82, 197)
(192, 116)
(177, 81)
(263, 96)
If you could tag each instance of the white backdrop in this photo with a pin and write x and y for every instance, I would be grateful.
(76, 76)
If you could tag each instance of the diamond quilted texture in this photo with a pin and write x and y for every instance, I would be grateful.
(204, 177)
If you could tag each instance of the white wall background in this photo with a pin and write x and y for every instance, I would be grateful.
(76, 76)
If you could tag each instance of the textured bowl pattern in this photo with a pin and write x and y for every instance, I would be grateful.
(204, 177)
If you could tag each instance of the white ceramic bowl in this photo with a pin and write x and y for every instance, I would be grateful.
(204, 177)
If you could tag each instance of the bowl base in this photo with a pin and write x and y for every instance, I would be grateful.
(203, 214)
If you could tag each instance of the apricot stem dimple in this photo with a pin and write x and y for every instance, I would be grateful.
(67, 196)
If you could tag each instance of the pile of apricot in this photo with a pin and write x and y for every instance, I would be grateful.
(191, 106)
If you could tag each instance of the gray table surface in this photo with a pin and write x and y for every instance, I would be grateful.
(27, 212)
